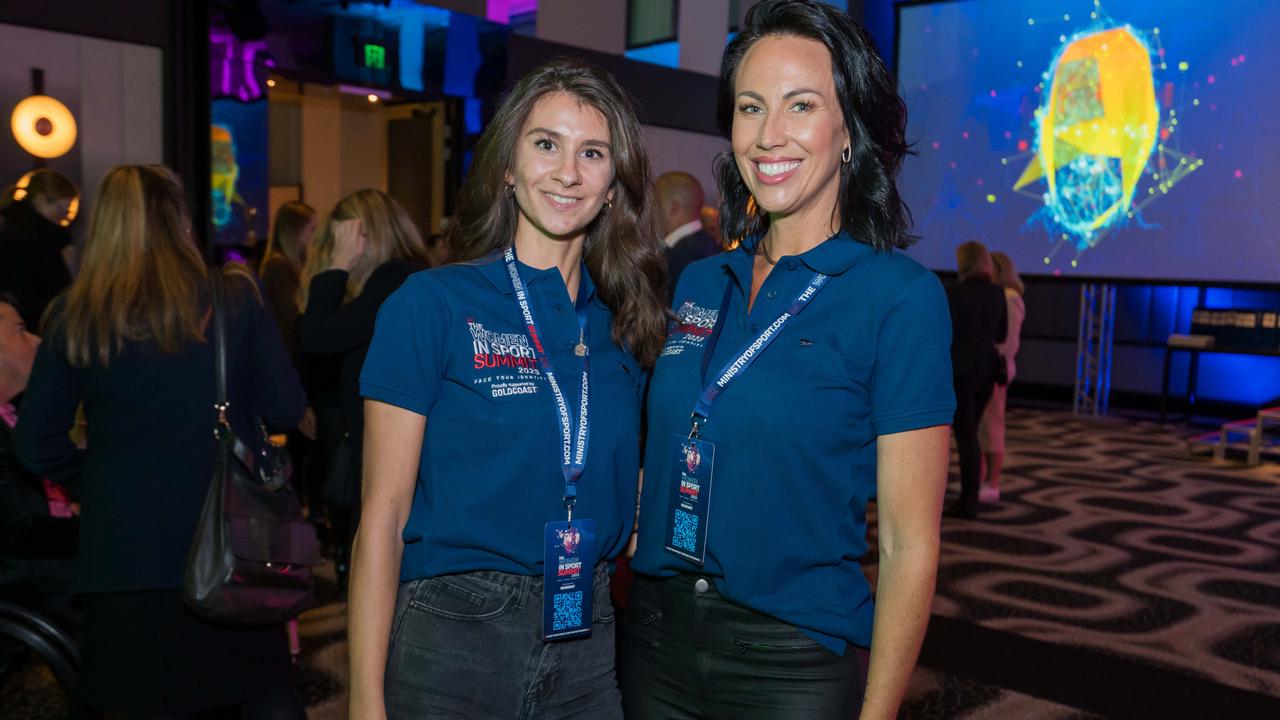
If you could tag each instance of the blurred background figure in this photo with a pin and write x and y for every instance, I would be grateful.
(711, 223)
(366, 249)
(991, 428)
(35, 245)
(129, 340)
(979, 321)
(281, 266)
(680, 201)
(437, 249)
(38, 530)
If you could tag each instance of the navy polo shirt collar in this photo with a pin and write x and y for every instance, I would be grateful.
(495, 270)
(833, 256)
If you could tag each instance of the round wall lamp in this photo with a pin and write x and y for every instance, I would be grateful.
(43, 126)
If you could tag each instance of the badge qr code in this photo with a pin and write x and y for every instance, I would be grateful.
(686, 531)
(568, 610)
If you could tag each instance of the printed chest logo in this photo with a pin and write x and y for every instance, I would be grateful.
(691, 329)
(505, 362)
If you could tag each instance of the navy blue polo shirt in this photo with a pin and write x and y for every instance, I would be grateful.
(450, 345)
(795, 434)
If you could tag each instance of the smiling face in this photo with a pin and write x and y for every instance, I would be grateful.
(788, 129)
(563, 168)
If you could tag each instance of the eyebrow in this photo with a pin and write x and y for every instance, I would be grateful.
(557, 136)
(798, 91)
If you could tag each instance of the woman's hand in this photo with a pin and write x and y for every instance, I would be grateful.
(307, 426)
(348, 243)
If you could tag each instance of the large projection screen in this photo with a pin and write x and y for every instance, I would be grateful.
(1126, 139)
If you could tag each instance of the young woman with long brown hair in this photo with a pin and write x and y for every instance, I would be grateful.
(129, 340)
(480, 584)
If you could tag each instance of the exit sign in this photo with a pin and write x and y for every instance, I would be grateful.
(374, 56)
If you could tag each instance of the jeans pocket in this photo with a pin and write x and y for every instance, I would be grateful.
(602, 604)
(774, 636)
(404, 598)
(464, 597)
(643, 622)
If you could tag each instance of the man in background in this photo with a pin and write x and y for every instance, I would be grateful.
(711, 223)
(35, 245)
(680, 201)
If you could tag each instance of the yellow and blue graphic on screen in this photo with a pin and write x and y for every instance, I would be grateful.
(1097, 129)
(225, 173)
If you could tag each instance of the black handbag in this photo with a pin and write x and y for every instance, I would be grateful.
(251, 558)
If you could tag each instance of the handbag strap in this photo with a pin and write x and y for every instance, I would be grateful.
(219, 353)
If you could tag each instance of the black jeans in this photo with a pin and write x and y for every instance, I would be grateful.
(972, 394)
(470, 646)
(689, 653)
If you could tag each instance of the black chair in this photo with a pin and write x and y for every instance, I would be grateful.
(48, 641)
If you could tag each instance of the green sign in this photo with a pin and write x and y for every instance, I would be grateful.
(375, 56)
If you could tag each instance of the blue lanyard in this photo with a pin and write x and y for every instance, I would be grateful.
(573, 456)
(749, 352)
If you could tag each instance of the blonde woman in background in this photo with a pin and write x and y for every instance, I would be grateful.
(991, 428)
(129, 339)
(366, 249)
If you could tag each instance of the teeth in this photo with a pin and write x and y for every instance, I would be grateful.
(778, 168)
(561, 199)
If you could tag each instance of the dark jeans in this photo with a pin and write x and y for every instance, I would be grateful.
(972, 394)
(470, 646)
(693, 654)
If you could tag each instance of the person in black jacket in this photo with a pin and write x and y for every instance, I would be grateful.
(129, 341)
(680, 200)
(373, 246)
(37, 529)
(34, 242)
(979, 321)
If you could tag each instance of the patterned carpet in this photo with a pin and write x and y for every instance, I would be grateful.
(1117, 578)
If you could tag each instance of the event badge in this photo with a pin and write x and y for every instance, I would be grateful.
(691, 498)
(568, 570)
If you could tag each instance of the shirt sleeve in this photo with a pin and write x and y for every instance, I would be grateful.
(912, 383)
(329, 325)
(47, 415)
(406, 362)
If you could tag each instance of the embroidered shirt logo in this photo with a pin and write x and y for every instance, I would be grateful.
(500, 349)
(691, 329)
(511, 355)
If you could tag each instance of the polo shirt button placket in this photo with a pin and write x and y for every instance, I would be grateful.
(773, 294)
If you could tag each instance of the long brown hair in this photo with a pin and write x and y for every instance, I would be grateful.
(973, 260)
(622, 249)
(141, 275)
(291, 219)
(389, 230)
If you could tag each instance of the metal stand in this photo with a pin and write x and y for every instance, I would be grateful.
(1093, 349)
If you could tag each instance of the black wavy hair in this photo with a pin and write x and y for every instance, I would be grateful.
(869, 206)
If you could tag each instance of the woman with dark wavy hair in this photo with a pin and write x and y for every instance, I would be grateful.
(807, 374)
(480, 583)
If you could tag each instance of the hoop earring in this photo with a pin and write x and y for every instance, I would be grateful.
(847, 154)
